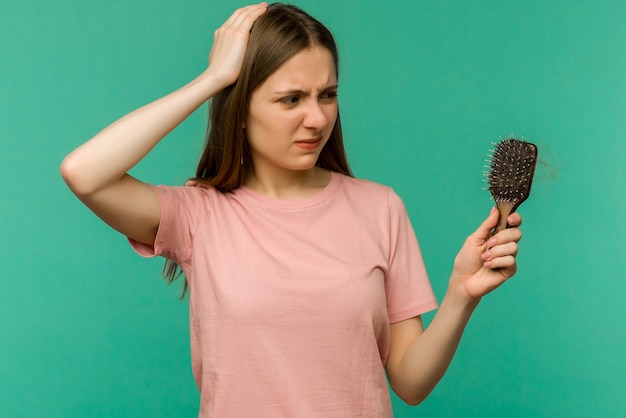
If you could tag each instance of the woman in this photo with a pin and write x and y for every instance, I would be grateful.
(306, 284)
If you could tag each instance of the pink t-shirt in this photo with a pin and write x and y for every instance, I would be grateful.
(291, 300)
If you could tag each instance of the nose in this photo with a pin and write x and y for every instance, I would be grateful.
(315, 117)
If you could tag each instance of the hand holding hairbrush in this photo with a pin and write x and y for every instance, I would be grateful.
(511, 170)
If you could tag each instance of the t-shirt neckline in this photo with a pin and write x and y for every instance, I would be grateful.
(313, 200)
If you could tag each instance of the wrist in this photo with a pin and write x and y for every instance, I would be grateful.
(208, 84)
(214, 77)
(458, 296)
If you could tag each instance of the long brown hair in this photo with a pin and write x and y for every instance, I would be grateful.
(279, 34)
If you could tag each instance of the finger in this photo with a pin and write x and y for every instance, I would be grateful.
(509, 263)
(514, 219)
(246, 16)
(242, 10)
(513, 234)
(233, 17)
(230, 41)
(488, 224)
(503, 250)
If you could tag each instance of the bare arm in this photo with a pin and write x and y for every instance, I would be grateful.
(97, 170)
(418, 359)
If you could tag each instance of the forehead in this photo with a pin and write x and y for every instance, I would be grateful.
(311, 68)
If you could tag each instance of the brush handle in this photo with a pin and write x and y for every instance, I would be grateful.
(505, 209)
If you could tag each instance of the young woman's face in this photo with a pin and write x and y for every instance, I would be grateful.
(292, 113)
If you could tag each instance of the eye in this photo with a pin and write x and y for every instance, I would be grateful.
(329, 95)
(290, 100)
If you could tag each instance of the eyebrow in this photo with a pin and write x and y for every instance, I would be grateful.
(299, 91)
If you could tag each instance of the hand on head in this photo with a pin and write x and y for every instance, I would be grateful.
(230, 42)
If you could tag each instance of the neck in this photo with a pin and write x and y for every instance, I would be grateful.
(289, 185)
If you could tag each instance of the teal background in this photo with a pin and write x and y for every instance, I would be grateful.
(88, 329)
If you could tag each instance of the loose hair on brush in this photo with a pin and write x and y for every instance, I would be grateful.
(277, 35)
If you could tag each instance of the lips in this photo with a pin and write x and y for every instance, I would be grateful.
(309, 143)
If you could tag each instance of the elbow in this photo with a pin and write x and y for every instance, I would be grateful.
(414, 402)
(410, 395)
(74, 177)
(68, 171)
(413, 399)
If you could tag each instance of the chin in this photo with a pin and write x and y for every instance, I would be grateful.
(307, 167)
(304, 163)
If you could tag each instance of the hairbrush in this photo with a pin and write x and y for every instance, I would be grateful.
(511, 169)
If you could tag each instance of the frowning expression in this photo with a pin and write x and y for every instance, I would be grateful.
(292, 113)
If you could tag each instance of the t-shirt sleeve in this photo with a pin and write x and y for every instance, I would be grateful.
(176, 226)
(409, 292)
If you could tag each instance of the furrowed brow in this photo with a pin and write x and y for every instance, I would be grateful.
(301, 92)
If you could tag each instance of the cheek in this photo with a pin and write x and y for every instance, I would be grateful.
(258, 125)
(331, 115)
(272, 122)
(268, 133)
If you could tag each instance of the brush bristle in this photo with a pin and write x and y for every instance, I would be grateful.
(511, 170)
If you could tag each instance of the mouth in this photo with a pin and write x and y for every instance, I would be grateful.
(309, 144)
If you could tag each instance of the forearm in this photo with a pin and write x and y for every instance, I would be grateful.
(429, 356)
(418, 359)
(115, 150)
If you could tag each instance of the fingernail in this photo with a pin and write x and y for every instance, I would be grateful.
(492, 242)
(493, 209)
(512, 220)
(487, 264)
(485, 255)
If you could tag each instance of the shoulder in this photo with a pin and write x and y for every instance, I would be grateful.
(190, 197)
(370, 191)
(359, 185)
